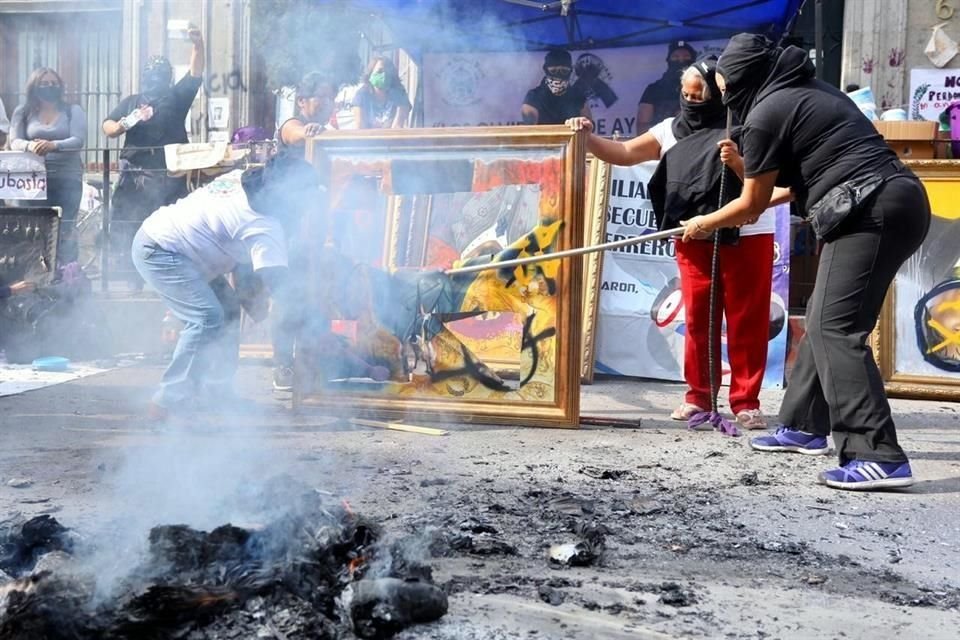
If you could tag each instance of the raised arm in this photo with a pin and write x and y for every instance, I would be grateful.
(631, 152)
(198, 55)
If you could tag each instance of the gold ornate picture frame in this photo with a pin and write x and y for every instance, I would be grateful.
(403, 207)
(917, 340)
(595, 225)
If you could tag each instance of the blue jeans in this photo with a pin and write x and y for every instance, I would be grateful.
(206, 355)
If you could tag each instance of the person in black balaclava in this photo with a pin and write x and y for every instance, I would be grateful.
(149, 120)
(872, 214)
(660, 98)
(556, 98)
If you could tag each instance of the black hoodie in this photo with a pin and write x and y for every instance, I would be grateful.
(809, 131)
(687, 180)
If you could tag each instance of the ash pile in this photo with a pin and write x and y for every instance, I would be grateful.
(318, 571)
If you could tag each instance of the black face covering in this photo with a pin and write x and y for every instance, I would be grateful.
(701, 115)
(155, 85)
(50, 94)
(753, 68)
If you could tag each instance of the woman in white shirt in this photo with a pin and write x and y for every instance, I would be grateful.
(746, 267)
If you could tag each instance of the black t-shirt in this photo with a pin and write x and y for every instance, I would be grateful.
(815, 136)
(664, 95)
(292, 150)
(165, 127)
(376, 114)
(555, 109)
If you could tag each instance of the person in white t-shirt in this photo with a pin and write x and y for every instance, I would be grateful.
(183, 251)
(746, 268)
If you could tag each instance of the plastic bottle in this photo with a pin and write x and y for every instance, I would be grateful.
(132, 119)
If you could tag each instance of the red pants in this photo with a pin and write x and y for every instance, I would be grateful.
(743, 295)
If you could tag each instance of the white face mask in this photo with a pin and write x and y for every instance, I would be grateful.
(557, 86)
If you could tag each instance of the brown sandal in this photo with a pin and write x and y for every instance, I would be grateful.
(685, 411)
(752, 420)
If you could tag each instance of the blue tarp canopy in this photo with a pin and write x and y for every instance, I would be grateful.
(503, 25)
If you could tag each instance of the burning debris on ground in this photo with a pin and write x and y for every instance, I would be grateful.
(317, 571)
(585, 551)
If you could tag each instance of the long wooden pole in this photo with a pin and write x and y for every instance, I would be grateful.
(569, 253)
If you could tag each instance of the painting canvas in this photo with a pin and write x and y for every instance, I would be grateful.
(917, 342)
(397, 332)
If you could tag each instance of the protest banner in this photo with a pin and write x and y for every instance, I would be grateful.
(23, 176)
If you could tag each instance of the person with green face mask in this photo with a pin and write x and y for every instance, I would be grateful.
(55, 130)
(381, 101)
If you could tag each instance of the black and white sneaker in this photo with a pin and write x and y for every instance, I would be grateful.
(283, 379)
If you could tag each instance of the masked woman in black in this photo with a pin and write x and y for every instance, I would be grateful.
(871, 212)
(687, 181)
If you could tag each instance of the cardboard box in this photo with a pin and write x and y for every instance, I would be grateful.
(910, 139)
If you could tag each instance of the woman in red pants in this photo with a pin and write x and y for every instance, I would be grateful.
(746, 267)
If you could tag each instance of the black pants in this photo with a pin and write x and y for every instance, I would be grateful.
(836, 384)
(287, 307)
(139, 193)
(65, 192)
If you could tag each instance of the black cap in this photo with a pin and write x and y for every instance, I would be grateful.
(558, 58)
(681, 44)
(158, 64)
(312, 82)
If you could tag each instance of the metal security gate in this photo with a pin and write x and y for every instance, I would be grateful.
(84, 48)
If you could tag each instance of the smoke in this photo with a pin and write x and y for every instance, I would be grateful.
(294, 37)
(191, 474)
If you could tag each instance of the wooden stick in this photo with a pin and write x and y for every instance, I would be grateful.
(398, 426)
(569, 253)
(604, 421)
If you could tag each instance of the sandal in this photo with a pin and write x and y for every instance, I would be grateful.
(752, 419)
(686, 411)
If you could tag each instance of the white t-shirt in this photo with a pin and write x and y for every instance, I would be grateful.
(343, 108)
(663, 132)
(217, 229)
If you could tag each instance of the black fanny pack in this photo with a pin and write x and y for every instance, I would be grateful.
(836, 205)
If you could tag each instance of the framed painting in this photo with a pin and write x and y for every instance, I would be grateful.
(917, 341)
(595, 225)
(398, 332)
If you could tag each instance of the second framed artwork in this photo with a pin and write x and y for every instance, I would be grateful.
(407, 338)
(917, 341)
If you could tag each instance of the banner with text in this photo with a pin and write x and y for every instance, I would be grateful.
(932, 91)
(640, 323)
(23, 176)
(487, 89)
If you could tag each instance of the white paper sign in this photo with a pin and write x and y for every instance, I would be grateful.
(219, 112)
(932, 91)
(23, 176)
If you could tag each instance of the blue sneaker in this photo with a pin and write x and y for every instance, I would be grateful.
(787, 439)
(864, 475)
